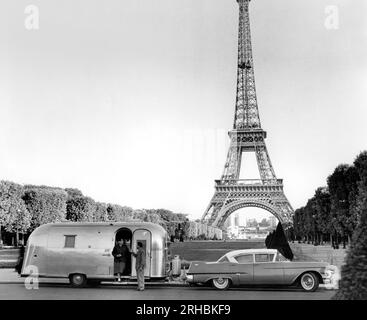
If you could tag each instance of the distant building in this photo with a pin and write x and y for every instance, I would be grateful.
(251, 223)
(273, 222)
(256, 232)
(227, 223)
(233, 232)
(237, 219)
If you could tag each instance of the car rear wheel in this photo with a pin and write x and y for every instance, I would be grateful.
(309, 282)
(221, 283)
(78, 280)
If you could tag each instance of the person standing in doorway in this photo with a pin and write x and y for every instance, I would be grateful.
(120, 253)
(140, 265)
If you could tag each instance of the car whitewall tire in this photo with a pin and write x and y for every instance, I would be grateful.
(221, 283)
(309, 282)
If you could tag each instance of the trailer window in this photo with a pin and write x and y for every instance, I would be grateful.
(70, 241)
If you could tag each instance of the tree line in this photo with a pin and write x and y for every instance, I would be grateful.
(333, 213)
(24, 208)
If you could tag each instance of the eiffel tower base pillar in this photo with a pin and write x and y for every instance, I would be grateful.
(267, 195)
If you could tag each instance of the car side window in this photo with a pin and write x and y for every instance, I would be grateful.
(246, 258)
(223, 259)
(280, 257)
(264, 257)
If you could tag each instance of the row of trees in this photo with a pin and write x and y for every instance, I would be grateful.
(353, 283)
(23, 208)
(333, 213)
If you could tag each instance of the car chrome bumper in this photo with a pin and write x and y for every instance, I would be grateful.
(189, 278)
(326, 280)
(331, 277)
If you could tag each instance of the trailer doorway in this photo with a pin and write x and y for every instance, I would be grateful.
(125, 234)
(145, 237)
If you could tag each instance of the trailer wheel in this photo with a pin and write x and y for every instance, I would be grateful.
(78, 280)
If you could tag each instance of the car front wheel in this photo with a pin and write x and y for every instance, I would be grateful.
(221, 283)
(309, 282)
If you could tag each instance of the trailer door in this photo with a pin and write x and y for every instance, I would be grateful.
(144, 236)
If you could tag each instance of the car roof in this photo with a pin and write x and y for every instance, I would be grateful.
(251, 251)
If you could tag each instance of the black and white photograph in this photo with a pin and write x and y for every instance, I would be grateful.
(183, 151)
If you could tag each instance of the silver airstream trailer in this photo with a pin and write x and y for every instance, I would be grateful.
(82, 252)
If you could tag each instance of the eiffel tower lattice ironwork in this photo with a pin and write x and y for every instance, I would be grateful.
(231, 192)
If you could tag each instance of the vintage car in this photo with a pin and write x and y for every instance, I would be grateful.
(259, 267)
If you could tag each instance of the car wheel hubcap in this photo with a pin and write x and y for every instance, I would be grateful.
(221, 283)
(78, 279)
(307, 281)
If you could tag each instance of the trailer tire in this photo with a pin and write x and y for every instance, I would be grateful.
(78, 280)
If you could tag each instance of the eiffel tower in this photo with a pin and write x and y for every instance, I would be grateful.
(231, 192)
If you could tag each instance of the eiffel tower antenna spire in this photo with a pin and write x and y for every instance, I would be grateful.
(246, 113)
(231, 192)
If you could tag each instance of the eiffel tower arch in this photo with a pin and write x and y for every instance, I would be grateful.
(231, 192)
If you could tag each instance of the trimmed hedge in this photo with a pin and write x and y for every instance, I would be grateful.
(45, 204)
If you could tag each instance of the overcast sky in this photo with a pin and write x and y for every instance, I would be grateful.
(130, 101)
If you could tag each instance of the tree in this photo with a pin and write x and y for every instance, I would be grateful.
(166, 215)
(352, 180)
(117, 213)
(340, 184)
(73, 193)
(140, 214)
(322, 208)
(153, 217)
(264, 223)
(334, 210)
(309, 220)
(298, 224)
(100, 214)
(81, 209)
(14, 216)
(353, 283)
(360, 164)
(252, 223)
(181, 217)
(45, 204)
